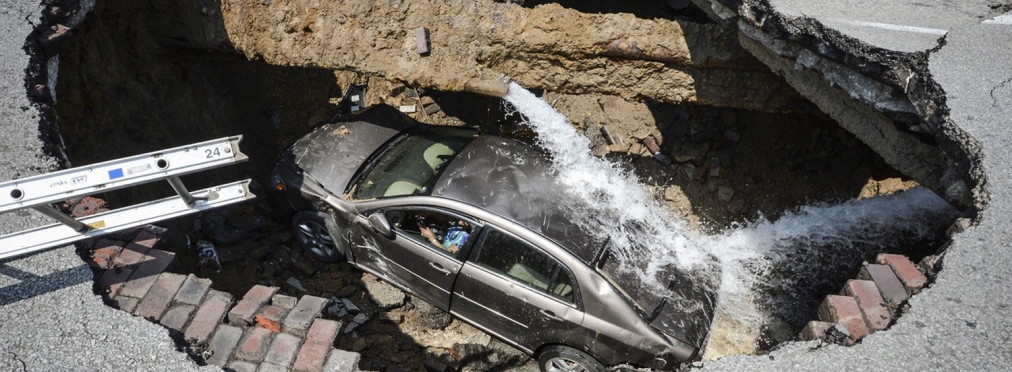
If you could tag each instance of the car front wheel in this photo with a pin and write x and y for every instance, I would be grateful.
(312, 232)
(566, 359)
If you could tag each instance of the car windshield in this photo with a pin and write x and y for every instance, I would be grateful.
(411, 164)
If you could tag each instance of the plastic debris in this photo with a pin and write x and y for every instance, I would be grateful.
(208, 255)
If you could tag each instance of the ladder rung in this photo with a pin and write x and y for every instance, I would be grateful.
(115, 174)
(55, 235)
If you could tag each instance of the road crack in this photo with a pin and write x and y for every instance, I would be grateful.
(24, 366)
(994, 100)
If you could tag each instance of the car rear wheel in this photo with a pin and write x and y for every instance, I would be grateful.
(312, 232)
(566, 359)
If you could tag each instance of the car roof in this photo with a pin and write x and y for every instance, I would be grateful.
(515, 181)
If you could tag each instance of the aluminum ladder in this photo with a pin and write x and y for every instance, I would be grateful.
(41, 191)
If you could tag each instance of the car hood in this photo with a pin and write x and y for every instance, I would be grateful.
(333, 152)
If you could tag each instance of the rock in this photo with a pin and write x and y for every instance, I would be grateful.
(350, 306)
(336, 308)
(305, 265)
(294, 285)
(725, 193)
(359, 345)
(346, 291)
(430, 316)
(732, 135)
(673, 192)
(359, 320)
(384, 294)
(247, 222)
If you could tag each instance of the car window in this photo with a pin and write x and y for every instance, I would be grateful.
(447, 232)
(520, 260)
(411, 165)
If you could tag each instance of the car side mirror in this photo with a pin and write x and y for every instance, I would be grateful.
(380, 224)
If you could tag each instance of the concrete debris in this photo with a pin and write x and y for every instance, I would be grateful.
(350, 306)
(431, 109)
(651, 144)
(422, 44)
(359, 320)
(607, 135)
(384, 294)
(293, 284)
(336, 308)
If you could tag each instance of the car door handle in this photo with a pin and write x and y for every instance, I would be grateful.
(439, 268)
(551, 316)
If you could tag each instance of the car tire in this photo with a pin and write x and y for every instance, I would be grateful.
(560, 358)
(314, 231)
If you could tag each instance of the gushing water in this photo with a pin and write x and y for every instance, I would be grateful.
(766, 273)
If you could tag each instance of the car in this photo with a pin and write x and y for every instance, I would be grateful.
(476, 225)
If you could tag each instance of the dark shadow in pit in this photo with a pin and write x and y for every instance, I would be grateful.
(135, 80)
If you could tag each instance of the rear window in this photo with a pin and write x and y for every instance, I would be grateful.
(412, 163)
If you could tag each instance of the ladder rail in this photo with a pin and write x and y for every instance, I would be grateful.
(120, 173)
(57, 234)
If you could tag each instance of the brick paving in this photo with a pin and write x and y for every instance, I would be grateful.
(869, 304)
(264, 331)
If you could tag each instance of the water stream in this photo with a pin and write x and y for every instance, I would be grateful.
(766, 273)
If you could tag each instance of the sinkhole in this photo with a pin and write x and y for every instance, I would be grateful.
(803, 198)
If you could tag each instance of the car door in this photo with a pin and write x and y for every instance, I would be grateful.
(513, 289)
(407, 258)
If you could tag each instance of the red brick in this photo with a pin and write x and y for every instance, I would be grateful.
(298, 321)
(132, 254)
(905, 270)
(222, 344)
(145, 237)
(254, 344)
(127, 304)
(270, 317)
(112, 279)
(815, 330)
(135, 252)
(876, 315)
(208, 315)
(103, 253)
(319, 341)
(177, 317)
(242, 313)
(241, 366)
(147, 272)
(888, 284)
(88, 206)
(159, 296)
(343, 361)
(844, 310)
(282, 301)
(192, 290)
(283, 350)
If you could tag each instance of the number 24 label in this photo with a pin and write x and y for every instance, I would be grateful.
(212, 152)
